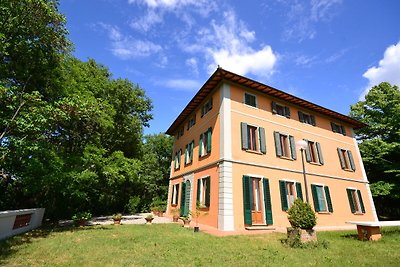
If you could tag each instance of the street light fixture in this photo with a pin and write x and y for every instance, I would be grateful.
(302, 145)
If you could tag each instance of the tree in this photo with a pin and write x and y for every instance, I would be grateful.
(380, 145)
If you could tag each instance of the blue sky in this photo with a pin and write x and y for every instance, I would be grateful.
(326, 51)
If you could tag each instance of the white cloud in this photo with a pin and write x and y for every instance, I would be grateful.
(387, 71)
(336, 56)
(227, 43)
(192, 64)
(183, 84)
(302, 17)
(126, 47)
(304, 60)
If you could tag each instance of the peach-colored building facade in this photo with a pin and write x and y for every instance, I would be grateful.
(237, 153)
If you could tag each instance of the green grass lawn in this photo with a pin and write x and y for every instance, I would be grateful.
(172, 245)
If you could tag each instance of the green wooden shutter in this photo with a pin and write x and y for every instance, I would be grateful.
(301, 116)
(361, 201)
(263, 147)
(198, 190)
(328, 198)
(274, 107)
(352, 206)
(201, 145)
(308, 153)
(247, 199)
(245, 139)
(176, 195)
(299, 191)
(202, 110)
(183, 193)
(319, 151)
(278, 147)
(312, 120)
(341, 159)
(287, 112)
(208, 188)
(282, 189)
(179, 158)
(343, 130)
(292, 147)
(267, 202)
(352, 165)
(191, 150)
(315, 197)
(209, 135)
(333, 127)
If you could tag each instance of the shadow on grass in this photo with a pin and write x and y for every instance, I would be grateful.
(385, 232)
(12, 244)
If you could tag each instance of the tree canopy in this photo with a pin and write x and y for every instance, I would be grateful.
(71, 136)
(380, 145)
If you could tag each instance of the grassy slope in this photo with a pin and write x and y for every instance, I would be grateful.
(172, 245)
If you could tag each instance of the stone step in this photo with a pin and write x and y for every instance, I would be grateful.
(259, 227)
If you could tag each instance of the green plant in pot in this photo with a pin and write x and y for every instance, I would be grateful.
(186, 219)
(175, 214)
(198, 212)
(302, 219)
(117, 217)
(81, 218)
(149, 218)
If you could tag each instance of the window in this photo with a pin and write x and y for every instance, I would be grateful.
(253, 138)
(355, 201)
(289, 192)
(314, 152)
(175, 192)
(207, 107)
(285, 146)
(180, 133)
(177, 159)
(346, 159)
(205, 143)
(337, 128)
(203, 192)
(250, 100)
(322, 198)
(307, 118)
(280, 109)
(189, 152)
(191, 122)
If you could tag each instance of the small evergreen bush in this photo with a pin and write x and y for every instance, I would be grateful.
(301, 215)
(133, 204)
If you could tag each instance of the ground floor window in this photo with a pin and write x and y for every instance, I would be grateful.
(203, 192)
(256, 201)
(289, 192)
(355, 201)
(321, 198)
(175, 193)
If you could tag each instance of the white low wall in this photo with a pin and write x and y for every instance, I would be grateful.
(7, 221)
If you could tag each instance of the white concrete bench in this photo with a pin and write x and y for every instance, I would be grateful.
(372, 230)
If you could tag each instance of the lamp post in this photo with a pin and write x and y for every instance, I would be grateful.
(302, 145)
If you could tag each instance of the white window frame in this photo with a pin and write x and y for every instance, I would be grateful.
(255, 100)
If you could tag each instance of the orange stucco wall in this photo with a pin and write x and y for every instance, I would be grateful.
(269, 165)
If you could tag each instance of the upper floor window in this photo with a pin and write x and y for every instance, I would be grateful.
(307, 118)
(175, 193)
(205, 143)
(180, 133)
(250, 100)
(346, 159)
(314, 152)
(191, 122)
(253, 138)
(177, 159)
(206, 107)
(289, 192)
(280, 109)
(337, 128)
(355, 200)
(189, 152)
(285, 146)
(322, 198)
(203, 192)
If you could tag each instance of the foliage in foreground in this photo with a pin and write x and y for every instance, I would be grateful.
(301, 215)
(172, 245)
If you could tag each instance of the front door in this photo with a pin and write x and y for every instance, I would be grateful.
(256, 210)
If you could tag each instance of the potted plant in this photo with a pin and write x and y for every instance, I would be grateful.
(197, 214)
(81, 218)
(117, 217)
(302, 219)
(186, 219)
(175, 214)
(149, 218)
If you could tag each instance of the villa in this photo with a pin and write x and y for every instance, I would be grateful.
(245, 151)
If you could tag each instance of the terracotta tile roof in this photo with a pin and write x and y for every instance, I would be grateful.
(224, 75)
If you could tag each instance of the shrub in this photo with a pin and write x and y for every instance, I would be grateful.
(158, 205)
(133, 204)
(82, 216)
(301, 215)
(117, 216)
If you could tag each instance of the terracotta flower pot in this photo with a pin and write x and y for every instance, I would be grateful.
(186, 223)
(117, 221)
(149, 220)
(175, 218)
